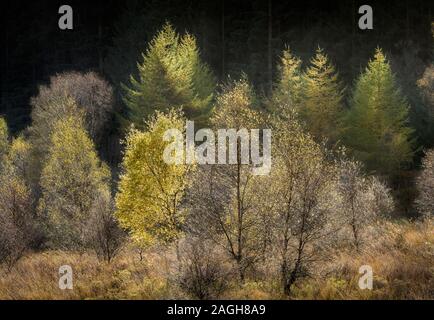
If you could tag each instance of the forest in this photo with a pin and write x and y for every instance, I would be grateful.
(84, 183)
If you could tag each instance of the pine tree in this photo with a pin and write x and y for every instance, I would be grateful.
(376, 129)
(71, 179)
(322, 103)
(171, 76)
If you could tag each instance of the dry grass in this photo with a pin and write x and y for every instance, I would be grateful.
(402, 259)
(36, 277)
(401, 255)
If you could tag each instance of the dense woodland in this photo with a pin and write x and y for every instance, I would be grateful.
(83, 181)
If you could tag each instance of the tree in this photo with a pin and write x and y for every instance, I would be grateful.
(102, 230)
(376, 129)
(150, 191)
(17, 223)
(203, 274)
(322, 104)
(426, 88)
(425, 185)
(18, 160)
(223, 199)
(302, 196)
(288, 89)
(88, 91)
(363, 199)
(71, 179)
(170, 76)
(68, 94)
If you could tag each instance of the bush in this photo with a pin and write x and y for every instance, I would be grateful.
(17, 223)
(202, 275)
(103, 232)
(425, 186)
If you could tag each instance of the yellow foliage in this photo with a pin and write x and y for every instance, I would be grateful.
(150, 190)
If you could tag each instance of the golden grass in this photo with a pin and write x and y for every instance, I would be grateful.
(401, 255)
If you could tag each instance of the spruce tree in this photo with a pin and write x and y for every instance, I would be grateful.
(172, 75)
(376, 127)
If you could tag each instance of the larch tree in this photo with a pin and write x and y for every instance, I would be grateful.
(148, 202)
(288, 89)
(72, 178)
(171, 75)
(321, 107)
(376, 127)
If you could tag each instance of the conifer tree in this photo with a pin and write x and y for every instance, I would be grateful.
(171, 76)
(322, 103)
(376, 127)
(288, 89)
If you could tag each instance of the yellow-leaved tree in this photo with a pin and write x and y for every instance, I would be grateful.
(150, 189)
(72, 178)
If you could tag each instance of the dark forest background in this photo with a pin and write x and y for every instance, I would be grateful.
(234, 37)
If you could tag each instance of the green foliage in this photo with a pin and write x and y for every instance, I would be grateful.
(171, 76)
(376, 129)
(71, 178)
(151, 190)
(322, 102)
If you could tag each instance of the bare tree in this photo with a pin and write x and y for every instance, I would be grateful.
(425, 186)
(89, 92)
(17, 223)
(302, 194)
(222, 205)
(223, 199)
(103, 232)
(203, 274)
(363, 198)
